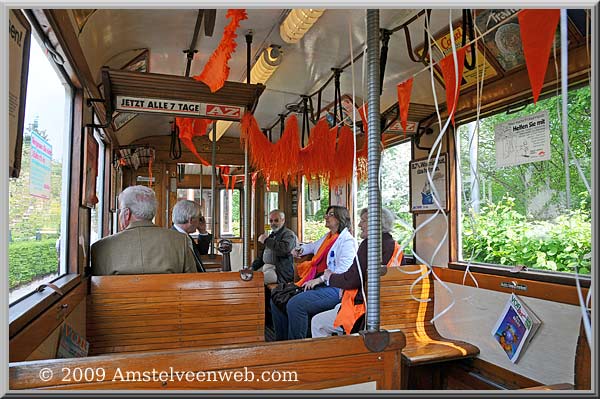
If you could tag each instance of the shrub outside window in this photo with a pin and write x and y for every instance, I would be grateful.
(519, 215)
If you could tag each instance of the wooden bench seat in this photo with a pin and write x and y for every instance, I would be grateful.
(398, 310)
(128, 313)
(318, 364)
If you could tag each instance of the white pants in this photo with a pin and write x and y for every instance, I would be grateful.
(321, 324)
(269, 272)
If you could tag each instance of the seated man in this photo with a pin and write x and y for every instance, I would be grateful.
(204, 237)
(186, 219)
(141, 247)
(276, 261)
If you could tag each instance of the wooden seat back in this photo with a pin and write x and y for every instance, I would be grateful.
(300, 364)
(399, 310)
(127, 313)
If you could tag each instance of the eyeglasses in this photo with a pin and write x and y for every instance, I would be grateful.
(329, 215)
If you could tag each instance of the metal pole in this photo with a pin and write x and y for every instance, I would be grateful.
(213, 187)
(564, 69)
(246, 224)
(374, 158)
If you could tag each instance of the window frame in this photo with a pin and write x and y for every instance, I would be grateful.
(31, 305)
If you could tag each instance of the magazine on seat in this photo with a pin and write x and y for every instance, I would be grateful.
(515, 327)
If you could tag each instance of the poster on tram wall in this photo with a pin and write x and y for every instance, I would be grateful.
(523, 140)
(41, 167)
(421, 193)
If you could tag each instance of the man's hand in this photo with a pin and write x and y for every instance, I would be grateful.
(263, 237)
(327, 273)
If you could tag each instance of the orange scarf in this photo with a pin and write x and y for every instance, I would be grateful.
(350, 312)
(309, 269)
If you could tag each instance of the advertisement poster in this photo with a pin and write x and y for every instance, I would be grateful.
(469, 76)
(41, 167)
(421, 196)
(523, 140)
(18, 70)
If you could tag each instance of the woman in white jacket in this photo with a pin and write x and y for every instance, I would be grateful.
(334, 251)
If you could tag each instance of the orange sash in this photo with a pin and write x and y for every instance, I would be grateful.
(308, 270)
(350, 312)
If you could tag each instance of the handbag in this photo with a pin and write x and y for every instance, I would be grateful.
(281, 294)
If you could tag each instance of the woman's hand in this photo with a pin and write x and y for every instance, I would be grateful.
(297, 252)
(310, 284)
(326, 274)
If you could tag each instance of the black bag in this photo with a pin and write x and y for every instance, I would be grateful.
(281, 294)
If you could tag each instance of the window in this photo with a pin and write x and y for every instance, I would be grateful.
(230, 213)
(38, 198)
(522, 215)
(97, 211)
(394, 191)
(313, 227)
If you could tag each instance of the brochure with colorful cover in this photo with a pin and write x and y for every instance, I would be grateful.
(71, 344)
(515, 327)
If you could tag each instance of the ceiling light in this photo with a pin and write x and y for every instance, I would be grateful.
(262, 70)
(266, 64)
(298, 22)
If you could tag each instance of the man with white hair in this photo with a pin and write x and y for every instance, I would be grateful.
(141, 247)
(276, 261)
(186, 219)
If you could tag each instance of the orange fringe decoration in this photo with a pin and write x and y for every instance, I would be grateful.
(315, 158)
(279, 161)
(216, 70)
(214, 75)
(342, 165)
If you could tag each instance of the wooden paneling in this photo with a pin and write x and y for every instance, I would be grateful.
(399, 310)
(535, 289)
(320, 363)
(26, 341)
(164, 311)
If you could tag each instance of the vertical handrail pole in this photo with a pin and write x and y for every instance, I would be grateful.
(374, 158)
(213, 187)
(246, 225)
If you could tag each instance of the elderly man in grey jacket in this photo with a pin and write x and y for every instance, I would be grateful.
(276, 261)
(141, 247)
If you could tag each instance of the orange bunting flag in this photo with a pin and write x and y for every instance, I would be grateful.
(233, 180)
(225, 175)
(452, 88)
(404, 92)
(537, 33)
(216, 70)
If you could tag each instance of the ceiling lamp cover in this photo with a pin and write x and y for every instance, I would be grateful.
(266, 64)
(298, 22)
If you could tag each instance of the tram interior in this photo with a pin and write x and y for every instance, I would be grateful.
(110, 58)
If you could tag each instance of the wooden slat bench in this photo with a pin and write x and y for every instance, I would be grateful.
(318, 364)
(424, 344)
(128, 313)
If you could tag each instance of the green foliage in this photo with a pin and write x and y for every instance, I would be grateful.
(504, 236)
(29, 260)
(313, 230)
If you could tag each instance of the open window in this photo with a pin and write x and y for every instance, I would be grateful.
(517, 208)
(39, 197)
